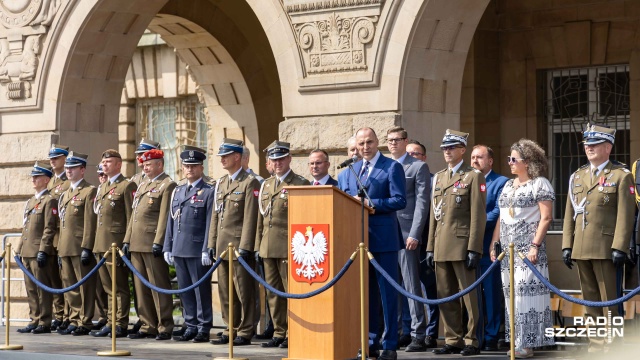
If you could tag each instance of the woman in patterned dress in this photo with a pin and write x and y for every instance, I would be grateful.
(525, 215)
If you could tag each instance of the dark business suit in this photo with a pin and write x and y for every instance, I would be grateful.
(387, 189)
(186, 235)
(330, 181)
(412, 220)
(493, 310)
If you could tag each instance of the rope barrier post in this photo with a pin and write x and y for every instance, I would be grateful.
(363, 330)
(113, 351)
(7, 303)
(512, 304)
(230, 252)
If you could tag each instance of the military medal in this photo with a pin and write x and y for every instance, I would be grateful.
(236, 205)
(75, 210)
(113, 204)
(606, 199)
(150, 201)
(458, 199)
(600, 188)
(109, 197)
(282, 196)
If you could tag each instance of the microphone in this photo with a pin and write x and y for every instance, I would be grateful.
(348, 162)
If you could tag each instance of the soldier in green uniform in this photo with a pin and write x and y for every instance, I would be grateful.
(598, 222)
(454, 248)
(235, 220)
(56, 186)
(144, 146)
(77, 235)
(272, 243)
(40, 224)
(144, 241)
(113, 202)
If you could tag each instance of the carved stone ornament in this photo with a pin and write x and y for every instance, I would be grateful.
(336, 37)
(23, 26)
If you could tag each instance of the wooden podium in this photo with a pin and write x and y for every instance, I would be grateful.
(327, 326)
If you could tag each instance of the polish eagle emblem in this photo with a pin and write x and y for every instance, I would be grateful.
(308, 252)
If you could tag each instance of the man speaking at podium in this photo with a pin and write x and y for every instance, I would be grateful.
(385, 183)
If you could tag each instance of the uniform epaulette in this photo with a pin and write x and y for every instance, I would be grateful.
(584, 166)
(615, 162)
(301, 177)
(441, 171)
(251, 177)
(207, 185)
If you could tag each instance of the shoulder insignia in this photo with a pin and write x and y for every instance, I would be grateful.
(441, 171)
(584, 166)
(476, 171)
(207, 185)
(625, 170)
(251, 177)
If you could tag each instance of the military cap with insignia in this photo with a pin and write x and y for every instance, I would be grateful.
(111, 153)
(41, 168)
(229, 146)
(278, 149)
(58, 150)
(595, 134)
(75, 159)
(151, 155)
(452, 138)
(146, 145)
(192, 155)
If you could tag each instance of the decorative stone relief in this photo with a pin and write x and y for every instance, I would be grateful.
(23, 26)
(338, 36)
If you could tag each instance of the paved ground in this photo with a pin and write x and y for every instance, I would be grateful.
(57, 347)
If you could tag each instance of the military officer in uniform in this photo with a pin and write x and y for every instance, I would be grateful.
(598, 222)
(185, 244)
(144, 146)
(454, 248)
(144, 241)
(272, 243)
(235, 221)
(102, 305)
(56, 186)
(114, 205)
(40, 224)
(77, 235)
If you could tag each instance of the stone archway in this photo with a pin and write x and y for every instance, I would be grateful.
(433, 68)
(235, 70)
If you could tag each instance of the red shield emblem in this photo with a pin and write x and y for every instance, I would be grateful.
(309, 256)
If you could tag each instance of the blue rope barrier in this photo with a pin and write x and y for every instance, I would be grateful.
(170, 291)
(422, 300)
(295, 296)
(576, 300)
(63, 290)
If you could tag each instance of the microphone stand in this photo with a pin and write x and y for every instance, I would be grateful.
(362, 193)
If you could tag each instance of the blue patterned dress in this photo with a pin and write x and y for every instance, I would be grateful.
(532, 300)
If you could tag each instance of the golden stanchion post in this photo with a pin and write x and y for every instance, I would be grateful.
(363, 331)
(230, 252)
(7, 304)
(512, 304)
(113, 351)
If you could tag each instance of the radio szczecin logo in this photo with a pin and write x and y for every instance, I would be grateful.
(606, 327)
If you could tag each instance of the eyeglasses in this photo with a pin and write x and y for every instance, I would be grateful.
(317, 163)
(449, 147)
(396, 140)
(414, 153)
(513, 160)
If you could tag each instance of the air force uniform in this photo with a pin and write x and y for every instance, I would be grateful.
(234, 221)
(598, 223)
(185, 245)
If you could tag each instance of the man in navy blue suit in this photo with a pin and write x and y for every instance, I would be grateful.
(319, 168)
(384, 179)
(493, 311)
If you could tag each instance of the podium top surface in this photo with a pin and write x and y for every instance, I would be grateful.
(325, 187)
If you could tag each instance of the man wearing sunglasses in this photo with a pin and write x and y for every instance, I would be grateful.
(454, 249)
(598, 223)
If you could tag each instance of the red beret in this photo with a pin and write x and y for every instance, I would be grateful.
(150, 155)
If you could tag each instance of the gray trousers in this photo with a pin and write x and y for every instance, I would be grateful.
(197, 302)
(409, 261)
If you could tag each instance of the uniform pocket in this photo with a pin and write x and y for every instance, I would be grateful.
(608, 231)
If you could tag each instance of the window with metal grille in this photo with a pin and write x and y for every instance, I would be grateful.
(572, 98)
(173, 123)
